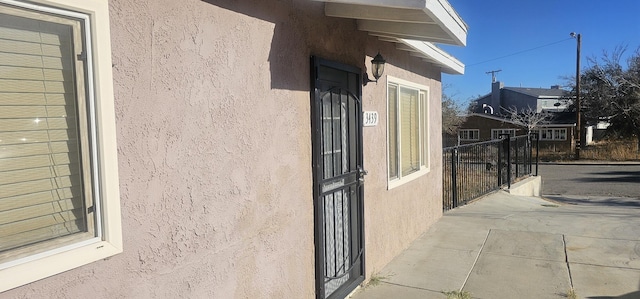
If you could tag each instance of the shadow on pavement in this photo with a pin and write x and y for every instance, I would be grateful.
(628, 173)
(619, 179)
(596, 201)
(632, 295)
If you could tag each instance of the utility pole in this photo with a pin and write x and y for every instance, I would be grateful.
(579, 126)
(493, 75)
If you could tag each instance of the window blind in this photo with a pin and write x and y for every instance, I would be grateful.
(41, 163)
(409, 128)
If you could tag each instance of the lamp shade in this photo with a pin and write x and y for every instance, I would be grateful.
(377, 66)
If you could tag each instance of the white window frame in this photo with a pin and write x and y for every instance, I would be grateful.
(108, 240)
(423, 133)
(495, 133)
(464, 134)
(557, 134)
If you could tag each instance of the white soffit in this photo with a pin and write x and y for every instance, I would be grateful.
(413, 24)
(425, 20)
(431, 53)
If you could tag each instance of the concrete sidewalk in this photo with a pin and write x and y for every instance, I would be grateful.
(506, 246)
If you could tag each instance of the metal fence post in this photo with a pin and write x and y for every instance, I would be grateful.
(499, 166)
(517, 151)
(537, 152)
(507, 147)
(454, 183)
(530, 149)
(508, 161)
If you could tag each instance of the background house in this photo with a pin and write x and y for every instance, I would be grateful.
(556, 134)
(492, 115)
(551, 99)
(216, 149)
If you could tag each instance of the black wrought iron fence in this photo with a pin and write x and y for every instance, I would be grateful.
(472, 170)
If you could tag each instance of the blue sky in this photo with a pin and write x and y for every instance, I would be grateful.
(500, 28)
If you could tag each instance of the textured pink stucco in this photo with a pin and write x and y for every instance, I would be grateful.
(214, 147)
(396, 217)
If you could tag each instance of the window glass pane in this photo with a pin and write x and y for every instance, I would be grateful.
(495, 133)
(470, 134)
(392, 120)
(41, 174)
(409, 128)
(335, 153)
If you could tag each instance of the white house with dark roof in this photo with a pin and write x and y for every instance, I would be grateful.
(552, 99)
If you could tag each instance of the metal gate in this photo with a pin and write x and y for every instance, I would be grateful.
(338, 177)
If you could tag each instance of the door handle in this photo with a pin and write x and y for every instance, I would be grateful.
(361, 171)
(361, 174)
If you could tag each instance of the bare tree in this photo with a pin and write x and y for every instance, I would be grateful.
(451, 114)
(528, 118)
(611, 91)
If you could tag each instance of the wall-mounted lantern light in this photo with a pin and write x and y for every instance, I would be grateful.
(377, 68)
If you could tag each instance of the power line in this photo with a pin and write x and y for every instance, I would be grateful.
(519, 52)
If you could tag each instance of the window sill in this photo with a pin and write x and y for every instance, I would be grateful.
(47, 264)
(406, 179)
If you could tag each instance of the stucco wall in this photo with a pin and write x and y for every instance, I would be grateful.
(213, 119)
(395, 217)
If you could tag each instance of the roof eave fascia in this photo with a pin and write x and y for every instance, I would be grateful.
(497, 118)
(442, 12)
(448, 63)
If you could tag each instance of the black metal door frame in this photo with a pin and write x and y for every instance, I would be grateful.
(332, 80)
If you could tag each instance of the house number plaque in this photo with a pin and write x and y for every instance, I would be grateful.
(370, 119)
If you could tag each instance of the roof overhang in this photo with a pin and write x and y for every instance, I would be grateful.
(506, 120)
(421, 22)
(493, 117)
(549, 97)
(556, 125)
(432, 54)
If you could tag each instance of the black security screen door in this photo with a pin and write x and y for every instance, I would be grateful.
(337, 173)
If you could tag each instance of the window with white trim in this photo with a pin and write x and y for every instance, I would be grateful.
(469, 134)
(407, 127)
(59, 199)
(553, 134)
(495, 133)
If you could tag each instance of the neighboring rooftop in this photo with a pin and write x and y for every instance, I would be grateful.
(555, 118)
(554, 91)
(541, 99)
